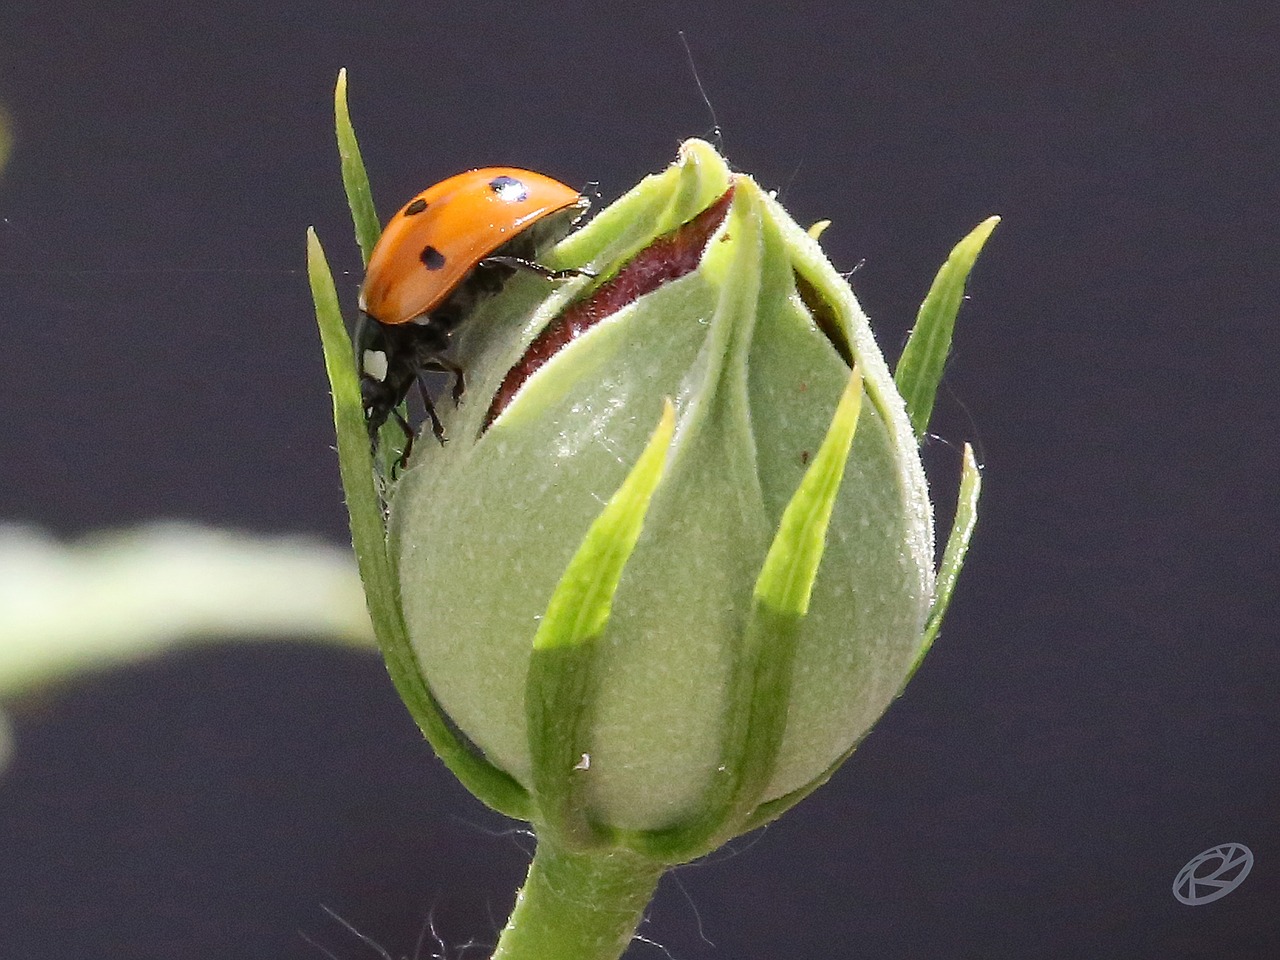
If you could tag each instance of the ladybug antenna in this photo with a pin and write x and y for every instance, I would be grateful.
(693, 68)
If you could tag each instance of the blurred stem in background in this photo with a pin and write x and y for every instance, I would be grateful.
(6, 139)
(67, 610)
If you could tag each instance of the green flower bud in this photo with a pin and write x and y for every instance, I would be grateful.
(646, 640)
(710, 295)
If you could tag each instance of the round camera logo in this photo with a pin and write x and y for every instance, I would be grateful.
(1213, 874)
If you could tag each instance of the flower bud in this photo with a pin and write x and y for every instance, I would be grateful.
(691, 706)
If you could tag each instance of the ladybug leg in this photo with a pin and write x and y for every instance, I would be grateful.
(408, 438)
(519, 263)
(459, 380)
(436, 426)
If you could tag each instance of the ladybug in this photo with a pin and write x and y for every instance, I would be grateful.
(451, 245)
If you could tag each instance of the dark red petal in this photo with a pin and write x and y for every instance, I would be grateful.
(667, 258)
(824, 316)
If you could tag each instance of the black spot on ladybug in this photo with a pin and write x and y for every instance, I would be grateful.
(432, 258)
(416, 207)
(509, 189)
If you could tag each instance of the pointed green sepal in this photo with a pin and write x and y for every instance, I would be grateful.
(579, 609)
(354, 178)
(757, 717)
(956, 549)
(391, 438)
(952, 561)
(559, 692)
(368, 536)
(791, 566)
(919, 368)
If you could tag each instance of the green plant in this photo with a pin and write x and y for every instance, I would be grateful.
(645, 680)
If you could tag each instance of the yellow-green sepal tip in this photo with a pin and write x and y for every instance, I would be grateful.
(758, 703)
(579, 609)
(790, 567)
(560, 687)
(919, 369)
(354, 178)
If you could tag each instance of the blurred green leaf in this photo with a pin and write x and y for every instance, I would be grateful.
(68, 609)
(6, 139)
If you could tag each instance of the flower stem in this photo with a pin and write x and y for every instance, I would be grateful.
(578, 906)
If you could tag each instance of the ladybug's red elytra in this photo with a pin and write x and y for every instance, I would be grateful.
(452, 244)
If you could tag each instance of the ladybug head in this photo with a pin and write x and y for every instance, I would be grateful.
(379, 391)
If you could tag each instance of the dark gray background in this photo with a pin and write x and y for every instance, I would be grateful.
(1102, 705)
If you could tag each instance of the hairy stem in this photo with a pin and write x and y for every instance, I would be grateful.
(578, 906)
